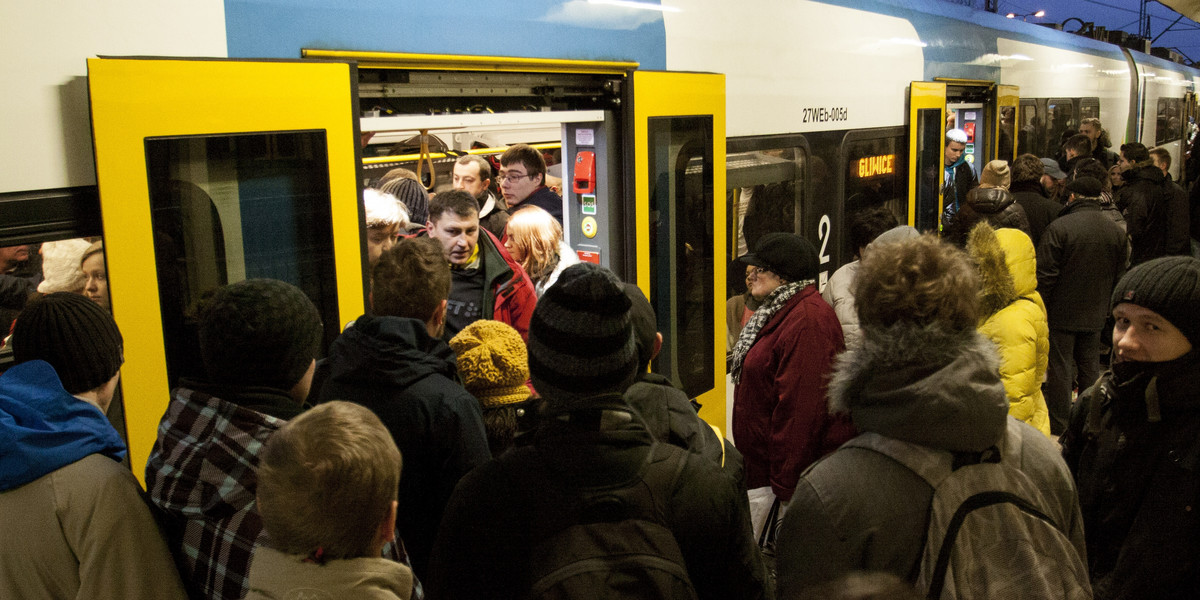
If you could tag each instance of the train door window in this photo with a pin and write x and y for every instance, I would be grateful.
(876, 176)
(681, 238)
(1031, 137)
(931, 166)
(1061, 118)
(230, 207)
(1089, 108)
(766, 191)
(1168, 124)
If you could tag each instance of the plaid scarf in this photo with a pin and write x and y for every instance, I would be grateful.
(770, 305)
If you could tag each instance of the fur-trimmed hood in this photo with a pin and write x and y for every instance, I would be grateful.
(923, 385)
(1007, 265)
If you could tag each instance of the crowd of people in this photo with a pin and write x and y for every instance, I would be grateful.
(490, 428)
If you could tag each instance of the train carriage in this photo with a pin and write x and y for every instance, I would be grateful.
(681, 128)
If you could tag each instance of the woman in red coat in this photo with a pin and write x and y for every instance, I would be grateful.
(781, 367)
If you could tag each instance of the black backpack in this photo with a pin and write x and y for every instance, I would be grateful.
(619, 545)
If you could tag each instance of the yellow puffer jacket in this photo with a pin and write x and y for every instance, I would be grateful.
(1014, 317)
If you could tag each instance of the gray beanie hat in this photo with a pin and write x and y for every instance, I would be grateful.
(581, 340)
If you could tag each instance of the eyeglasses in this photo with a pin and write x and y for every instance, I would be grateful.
(513, 177)
(755, 272)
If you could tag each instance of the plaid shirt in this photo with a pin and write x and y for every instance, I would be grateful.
(201, 476)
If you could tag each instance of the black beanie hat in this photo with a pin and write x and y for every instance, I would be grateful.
(259, 332)
(580, 339)
(413, 195)
(645, 324)
(786, 255)
(1169, 286)
(72, 333)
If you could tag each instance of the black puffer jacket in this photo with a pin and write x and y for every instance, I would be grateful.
(392, 366)
(1137, 465)
(995, 205)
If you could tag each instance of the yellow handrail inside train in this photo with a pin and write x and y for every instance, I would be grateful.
(376, 160)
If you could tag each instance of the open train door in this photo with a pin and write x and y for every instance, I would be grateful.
(926, 151)
(211, 172)
(1008, 100)
(677, 132)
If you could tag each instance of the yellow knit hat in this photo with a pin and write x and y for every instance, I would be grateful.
(492, 362)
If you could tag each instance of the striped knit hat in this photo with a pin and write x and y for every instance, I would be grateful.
(77, 337)
(581, 340)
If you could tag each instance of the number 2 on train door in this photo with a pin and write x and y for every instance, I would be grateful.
(824, 226)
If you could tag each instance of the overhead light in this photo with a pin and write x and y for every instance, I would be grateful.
(636, 4)
(1025, 16)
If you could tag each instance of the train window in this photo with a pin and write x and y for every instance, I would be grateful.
(1061, 121)
(876, 175)
(681, 248)
(1089, 108)
(29, 270)
(1008, 133)
(1031, 139)
(766, 189)
(231, 207)
(1168, 126)
(931, 164)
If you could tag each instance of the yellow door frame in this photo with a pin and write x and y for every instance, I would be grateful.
(922, 95)
(135, 99)
(663, 94)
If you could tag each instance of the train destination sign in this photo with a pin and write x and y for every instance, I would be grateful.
(872, 166)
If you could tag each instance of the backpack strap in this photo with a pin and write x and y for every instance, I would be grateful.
(934, 466)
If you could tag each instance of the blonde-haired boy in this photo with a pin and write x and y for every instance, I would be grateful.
(327, 486)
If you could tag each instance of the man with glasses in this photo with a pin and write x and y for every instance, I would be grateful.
(523, 179)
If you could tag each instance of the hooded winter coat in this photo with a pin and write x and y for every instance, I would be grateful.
(501, 511)
(995, 205)
(1014, 318)
(1133, 443)
(670, 418)
(860, 510)
(73, 519)
(278, 576)
(392, 366)
(201, 476)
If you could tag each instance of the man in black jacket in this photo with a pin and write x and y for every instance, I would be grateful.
(394, 362)
(1157, 218)
(669, 414)
(1133, 443)
(1027, 172)
(500, 526)
(1080, 257)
